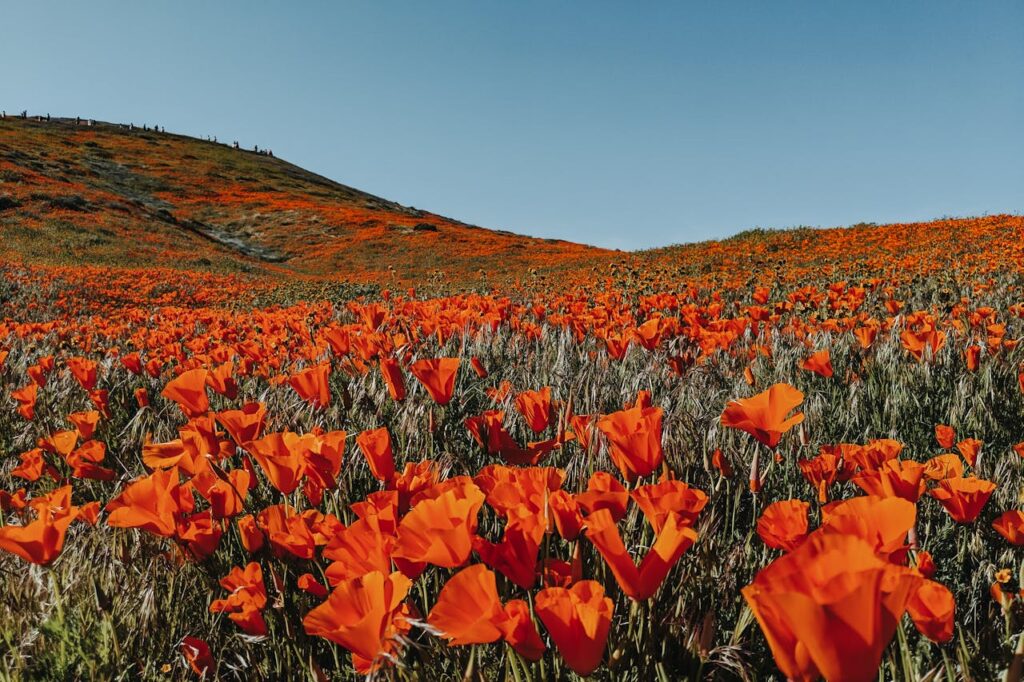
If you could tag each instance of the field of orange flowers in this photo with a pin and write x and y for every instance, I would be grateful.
(700, 468)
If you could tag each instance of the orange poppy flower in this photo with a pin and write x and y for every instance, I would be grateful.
(519, 630)
(312, 386)
(478, 367)
(660, 500)
(364, 615)
(376, 447)
(970, 449)
(578, 619)
(244, 425)
(392, 373)
(222, 381)
(440, 531)
(963, 498)
(830, 608)
(515, 556)
(820, 363)
(895, 478)
(883, 522)
(468, 609)
(85, 423)
(918, 343)
(783, 524)
(196, 653)
(640, 583)
(437, 376)
(188, 389)
(763, 416)
(932, 609)
(944, 466)
(821, 472)
(152, 503)
(604, 492)
(945, 436)
(874, 453)
(26, 398)
(84, 371)
(566, 514)
(308, 583)
(1011, 526)
(634, 440)
(535, 406)
(247, 598)
(972, 358)
(279, 456)
(39, 542)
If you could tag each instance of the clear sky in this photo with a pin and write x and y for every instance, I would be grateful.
(622, 124)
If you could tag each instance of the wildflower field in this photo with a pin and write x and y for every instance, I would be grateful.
(787, 455)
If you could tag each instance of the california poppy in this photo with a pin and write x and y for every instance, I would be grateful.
(392, 373)
(376, 447)
(830, 607)
(26, 398)
(519, 631)
(932, 608)
(40, 541)
(895, 478)
(578, 619)
(763, 416)
(152, 503)
(437, 376)
(634, 440)
(1011, 526)
(963, 498)
(188, 389)
(945, 436)
(783, 525)
(657, 501)
(641, 582)
(535, 406)
(819, 363)
(468, 608)
(312, 386)
(364, 615)
(440, 530)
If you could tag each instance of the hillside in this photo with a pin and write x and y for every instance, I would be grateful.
(74, 194)
(108, 194)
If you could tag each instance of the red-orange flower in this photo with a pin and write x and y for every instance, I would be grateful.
(468, 609)
(535, 406)
(440, 531)
(634, 440)
(819, 363)
(376, 447)
(963, 498)
(830, 607)
(437, 376)
(578, 619)
(783, 524)
(312, 386)
(1011, 526)
(392, 373)
(364, 615)
(764, 416)
(641, 583)
(188, 389)
(932, 609)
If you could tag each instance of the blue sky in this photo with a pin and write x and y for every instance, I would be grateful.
(626, 124)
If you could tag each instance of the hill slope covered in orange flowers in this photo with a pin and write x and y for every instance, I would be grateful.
(109, 194)
(106, 194)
